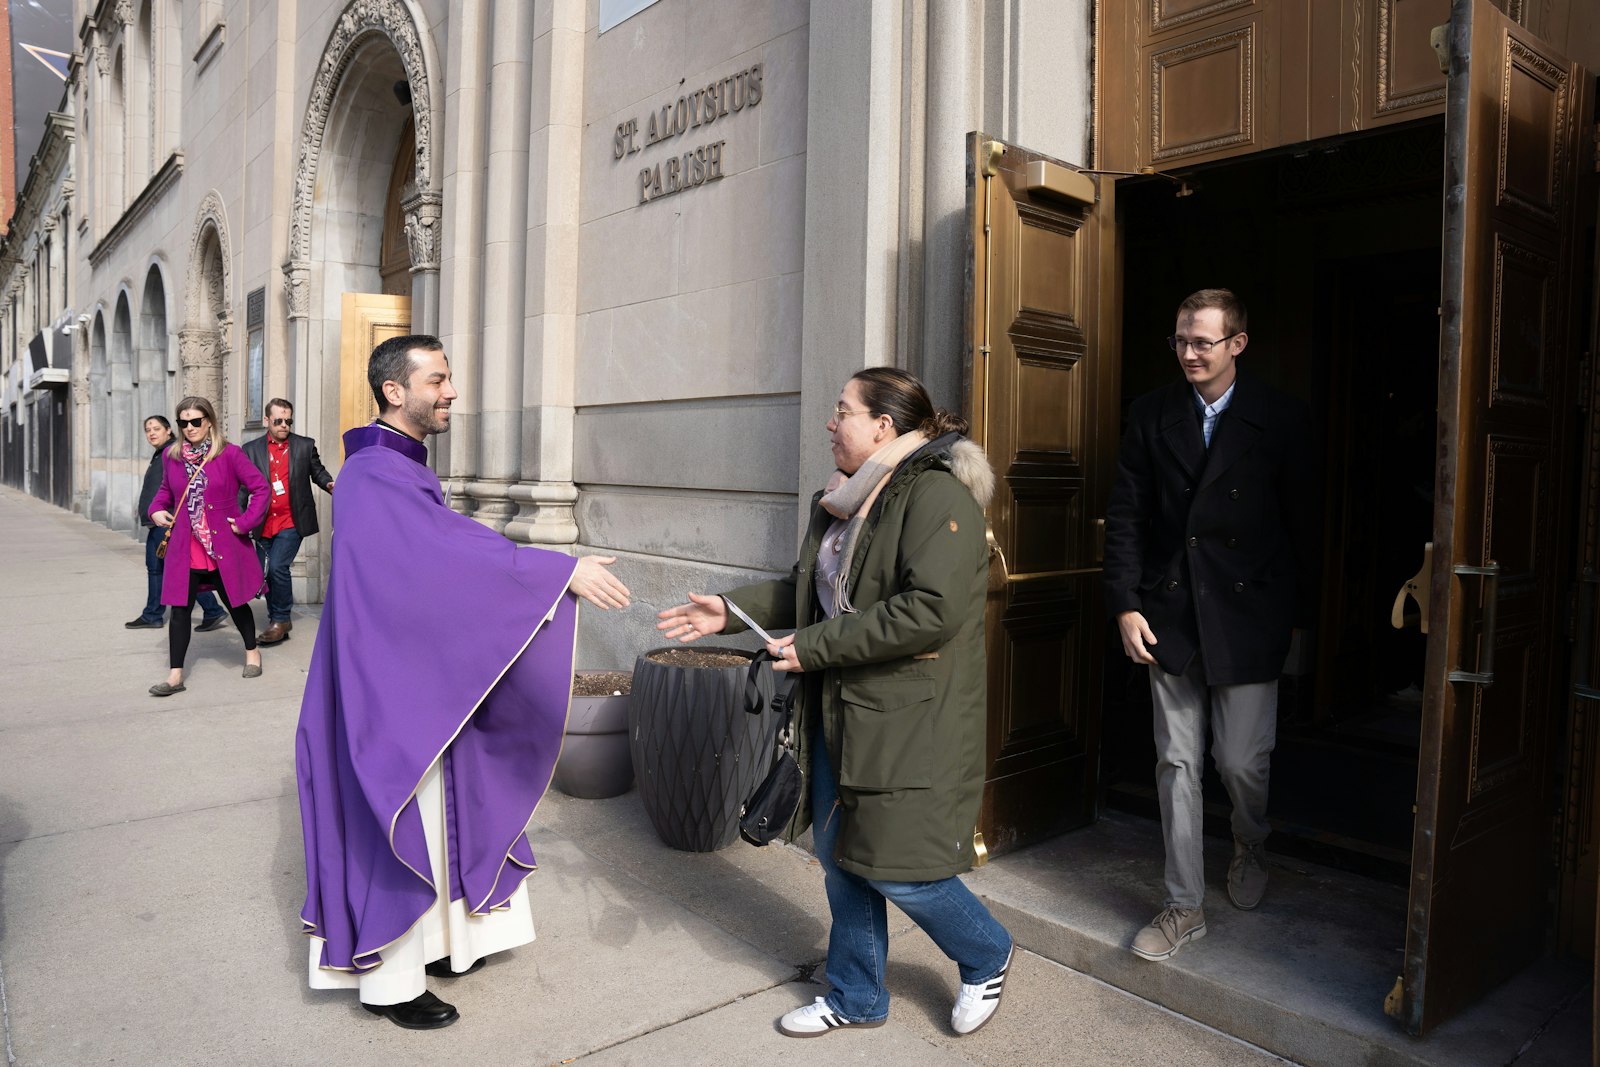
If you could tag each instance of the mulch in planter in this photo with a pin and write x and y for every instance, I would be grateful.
(602, 683)
(688, 657)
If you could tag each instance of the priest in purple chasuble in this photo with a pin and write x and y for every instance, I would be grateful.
(433, 713)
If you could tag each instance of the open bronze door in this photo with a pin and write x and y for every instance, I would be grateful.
(1502, 511)
(1042, 392)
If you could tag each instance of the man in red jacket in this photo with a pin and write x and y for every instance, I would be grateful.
(291, 464)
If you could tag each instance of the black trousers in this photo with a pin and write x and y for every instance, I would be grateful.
(178, 629)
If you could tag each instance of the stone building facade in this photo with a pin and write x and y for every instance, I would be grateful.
(37, 323)
(654, 253)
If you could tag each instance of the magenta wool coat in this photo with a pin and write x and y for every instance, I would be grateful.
(226, 475)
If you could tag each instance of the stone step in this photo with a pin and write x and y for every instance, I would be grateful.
(1303, 976)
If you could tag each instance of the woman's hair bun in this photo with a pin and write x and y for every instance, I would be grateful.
(944, 422)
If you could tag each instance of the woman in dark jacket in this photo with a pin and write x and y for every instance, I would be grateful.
(887, 602)
(210, 543)
(158, 431)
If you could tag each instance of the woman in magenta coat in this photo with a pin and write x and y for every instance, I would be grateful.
(210, 543)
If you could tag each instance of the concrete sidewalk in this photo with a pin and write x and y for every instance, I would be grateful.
(151, 878)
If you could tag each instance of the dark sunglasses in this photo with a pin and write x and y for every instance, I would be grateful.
(283, 422)
(192, 422)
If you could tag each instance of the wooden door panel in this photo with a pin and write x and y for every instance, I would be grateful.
(367, 320)
(1407, 81)
(1042, 387)
(1479, 886)
(1203, 95)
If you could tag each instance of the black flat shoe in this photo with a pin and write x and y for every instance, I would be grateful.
(441, 968)
(427, 1012)
(207, 625)
(142, 623)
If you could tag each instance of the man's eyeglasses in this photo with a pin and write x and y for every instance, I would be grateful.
(841, 413)
(1198, 345)
(283, 422)
(195, 423)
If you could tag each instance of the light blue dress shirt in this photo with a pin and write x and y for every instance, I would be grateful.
(1209, 412)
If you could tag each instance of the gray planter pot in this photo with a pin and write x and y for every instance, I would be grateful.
(696, 752)
(595, 762)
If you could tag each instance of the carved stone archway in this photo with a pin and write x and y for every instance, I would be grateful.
(203, 342)
(399, 22)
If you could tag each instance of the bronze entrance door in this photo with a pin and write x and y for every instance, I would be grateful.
(368, 319)
(1042, 393)
(1514, 158)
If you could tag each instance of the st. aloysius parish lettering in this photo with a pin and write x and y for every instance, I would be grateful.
(702, 107)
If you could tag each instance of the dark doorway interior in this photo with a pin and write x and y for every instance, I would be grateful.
(1335, 247)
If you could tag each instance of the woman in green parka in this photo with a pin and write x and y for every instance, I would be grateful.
(887, 603)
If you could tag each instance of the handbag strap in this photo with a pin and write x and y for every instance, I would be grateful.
(782, 695)
(176, 508)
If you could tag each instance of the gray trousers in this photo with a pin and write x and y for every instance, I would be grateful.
(1244, 728)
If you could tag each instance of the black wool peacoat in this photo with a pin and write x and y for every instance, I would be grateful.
(1217, 547)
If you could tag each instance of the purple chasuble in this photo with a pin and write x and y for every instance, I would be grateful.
(440, 639)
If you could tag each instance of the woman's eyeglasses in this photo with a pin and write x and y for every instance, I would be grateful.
(195, 423)
(841, 413)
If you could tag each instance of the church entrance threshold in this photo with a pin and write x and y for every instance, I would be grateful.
(1299, 976)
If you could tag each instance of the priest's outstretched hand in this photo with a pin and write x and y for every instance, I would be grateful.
(597, 585)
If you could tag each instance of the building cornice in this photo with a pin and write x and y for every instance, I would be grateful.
(169, 173)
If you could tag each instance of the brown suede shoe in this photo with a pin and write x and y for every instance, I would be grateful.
(278, 631)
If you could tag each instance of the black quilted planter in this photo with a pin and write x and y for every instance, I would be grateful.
(697, 754)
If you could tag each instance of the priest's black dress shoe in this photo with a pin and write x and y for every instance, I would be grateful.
(441, 968)
(427, 1012)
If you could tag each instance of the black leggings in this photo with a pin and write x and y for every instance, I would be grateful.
(178, 628)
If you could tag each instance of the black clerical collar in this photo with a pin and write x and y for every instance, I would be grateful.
(398, 430)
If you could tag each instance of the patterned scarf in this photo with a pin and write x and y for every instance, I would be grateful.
(853, 500)
(194, 457)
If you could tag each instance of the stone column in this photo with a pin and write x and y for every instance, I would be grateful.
(297, 294)
(461, 248)
(199, 369)
(954, 106)
(423, 212)
(546, 496)
(853, 196)
(79, 379)
(505, 265)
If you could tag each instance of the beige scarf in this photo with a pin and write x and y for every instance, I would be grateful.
(853, 501)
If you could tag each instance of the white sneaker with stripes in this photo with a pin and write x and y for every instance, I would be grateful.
(976, 1004)
(816, 1019)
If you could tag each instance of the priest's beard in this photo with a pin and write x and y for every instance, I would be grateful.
(421, 413)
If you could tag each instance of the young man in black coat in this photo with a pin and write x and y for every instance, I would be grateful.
(1210, 566)
(290, 464)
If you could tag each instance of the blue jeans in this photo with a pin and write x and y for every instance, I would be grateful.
(154, 610)
(276, 553)
(858, 941)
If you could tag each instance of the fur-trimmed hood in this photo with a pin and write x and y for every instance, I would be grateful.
(970, 464)
(963, 458)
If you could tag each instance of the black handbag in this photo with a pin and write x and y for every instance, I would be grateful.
(771, 807)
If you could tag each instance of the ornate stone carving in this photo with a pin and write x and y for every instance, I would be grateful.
(362, 19)
(102, 58)
(423, 211)
(206, 287)
(297, 289)
(200, 363)
(124, 13)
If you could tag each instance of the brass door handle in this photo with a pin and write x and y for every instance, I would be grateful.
(1490, 574)
(996, 555)
(1417, 587)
